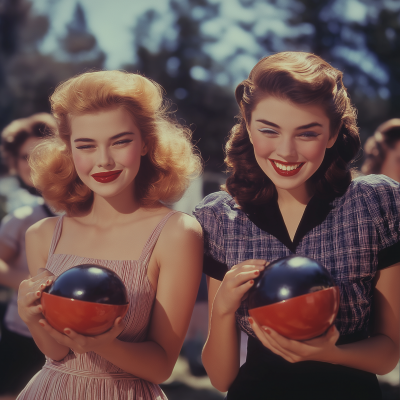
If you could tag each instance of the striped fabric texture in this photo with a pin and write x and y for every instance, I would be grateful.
(359, 236)
(89, 376)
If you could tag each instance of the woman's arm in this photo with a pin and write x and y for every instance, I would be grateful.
(179, 254)
(38, 239)
(378, 354)
(221, 353)
(9, 276)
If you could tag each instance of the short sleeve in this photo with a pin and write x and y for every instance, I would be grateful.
(11, 231)
(382, 198)
(206, 213)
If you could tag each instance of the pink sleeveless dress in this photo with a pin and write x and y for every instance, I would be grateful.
(89, 376)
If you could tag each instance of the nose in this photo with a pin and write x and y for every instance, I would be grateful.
(105, 158)
(286, 148)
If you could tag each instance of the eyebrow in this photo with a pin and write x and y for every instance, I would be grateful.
(117, 136)
(312, 124)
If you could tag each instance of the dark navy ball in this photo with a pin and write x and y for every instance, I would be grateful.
(289, 277)
(92, 283)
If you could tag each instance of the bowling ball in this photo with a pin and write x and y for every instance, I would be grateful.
(296, 296)
(86, 298)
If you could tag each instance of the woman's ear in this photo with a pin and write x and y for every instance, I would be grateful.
(144, 149)
(332, 140)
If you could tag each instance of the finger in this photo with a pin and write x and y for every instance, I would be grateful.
(30, 298)
(330, 335)
(37, 309)
(42, 274)
(57, 336)
(114, 331)
(265, 339)
(279, 343)
(243, 277)
(34, 310)
(75, 336)
(293, 349)
(118, 327)
(252, 262)
(41, 284)
(242, 290)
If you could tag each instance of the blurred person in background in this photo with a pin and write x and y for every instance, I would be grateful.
(382, 156)
(20, 358)
(382, 151)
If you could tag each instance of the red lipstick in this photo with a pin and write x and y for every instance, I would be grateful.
(105, 177)
(286, 173)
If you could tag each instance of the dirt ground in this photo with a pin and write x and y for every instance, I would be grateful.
(182, 385)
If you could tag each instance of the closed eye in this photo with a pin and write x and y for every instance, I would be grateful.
(268, 130)
(85, 146)
(309, 134)
(124, 141)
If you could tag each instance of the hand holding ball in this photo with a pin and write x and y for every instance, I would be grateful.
(296, 296)
(86, 298)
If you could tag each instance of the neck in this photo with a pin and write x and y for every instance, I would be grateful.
(112, 210)
(297, 196)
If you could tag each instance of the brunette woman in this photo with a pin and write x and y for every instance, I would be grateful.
(291, 192)
(115, 164)
(19, 356)
(382, 150)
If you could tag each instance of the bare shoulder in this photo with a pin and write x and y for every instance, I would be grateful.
(180, 245)
(183, 233)
(43, 228)
(38, 239)
(180, 225)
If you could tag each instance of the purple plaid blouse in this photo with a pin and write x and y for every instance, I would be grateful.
(353, 236)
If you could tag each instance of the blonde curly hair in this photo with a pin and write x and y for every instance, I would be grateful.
(165, 171)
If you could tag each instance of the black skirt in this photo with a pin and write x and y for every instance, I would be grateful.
(266, 376)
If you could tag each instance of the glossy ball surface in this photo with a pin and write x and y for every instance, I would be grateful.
(90, 282)
(296, 296)
(86, 298)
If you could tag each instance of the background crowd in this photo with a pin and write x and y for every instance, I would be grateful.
(198, 50)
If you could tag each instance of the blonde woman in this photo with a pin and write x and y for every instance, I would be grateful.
(116, 163)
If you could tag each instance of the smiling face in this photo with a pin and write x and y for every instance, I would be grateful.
(107, 149)
(289, 141)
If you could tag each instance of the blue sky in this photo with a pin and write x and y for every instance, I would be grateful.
(110, 21)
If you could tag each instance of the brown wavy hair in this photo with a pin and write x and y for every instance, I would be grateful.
(301, 78)
(16, 133)
(384, 138)
(165, 171)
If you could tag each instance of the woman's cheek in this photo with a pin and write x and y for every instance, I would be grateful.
(315, 152)
(130, 157)
(262, 148)
(83, 164)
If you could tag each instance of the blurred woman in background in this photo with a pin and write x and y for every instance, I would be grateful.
(382, 151)
(19, 356)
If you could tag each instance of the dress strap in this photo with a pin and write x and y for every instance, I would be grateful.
(152, 240)
(56, 235)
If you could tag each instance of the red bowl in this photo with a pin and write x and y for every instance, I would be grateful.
(302, 317)
(83, 317)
